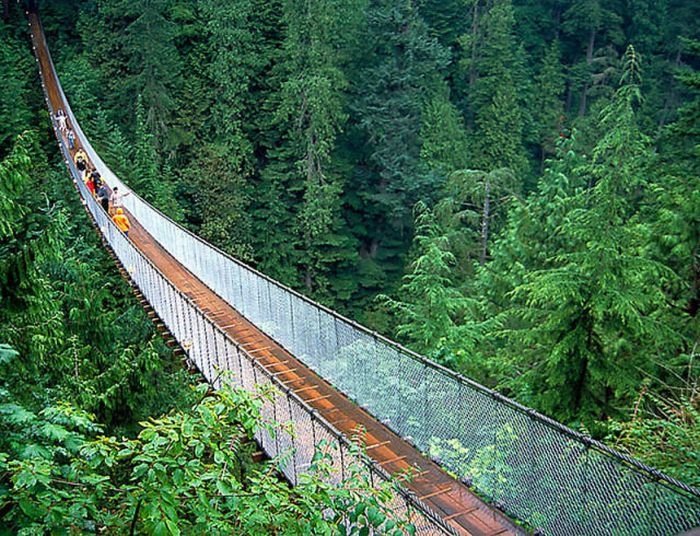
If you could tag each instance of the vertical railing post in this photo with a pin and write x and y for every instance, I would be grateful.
(240, 367)
(291, 436)
(291, 322)
(584, 515)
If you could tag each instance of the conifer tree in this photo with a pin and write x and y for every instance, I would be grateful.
(430, 307)
(313, 104)
(223, 160)
(110, 143)
(471, 207)
(445, 146)
(445, 19)
(676, 196)
(591, 23)
(276, 200)
(133, 47)
(593, 316)
(155, 61)
(399, 68)
(496, 97)
(16, 66)
(548, 106)
(148, 176)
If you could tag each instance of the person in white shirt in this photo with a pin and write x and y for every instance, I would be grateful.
(118, 198)
(62, 120)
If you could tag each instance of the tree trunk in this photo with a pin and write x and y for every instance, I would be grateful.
(485, 221)
(569, 97)
(670, 104)
(6, 10)
(308, 281)
(542, 157)
(580, 380)
(694, 301)
(589, 61)
(472, 65)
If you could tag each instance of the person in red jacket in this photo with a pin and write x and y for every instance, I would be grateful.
(90, 183)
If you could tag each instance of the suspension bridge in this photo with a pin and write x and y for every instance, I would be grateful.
(465, 459)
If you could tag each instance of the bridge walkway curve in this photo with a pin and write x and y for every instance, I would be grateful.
(458, 507)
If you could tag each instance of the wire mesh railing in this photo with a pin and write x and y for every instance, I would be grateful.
(532, 467)
(212, 350)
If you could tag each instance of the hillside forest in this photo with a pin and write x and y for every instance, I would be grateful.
(510, 187)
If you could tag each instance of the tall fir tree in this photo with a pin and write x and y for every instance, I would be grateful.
(593, 319)
(430, 309)
(675, 209)
(155, 63)
(313, 104)
(548, 106)
(596, 26)
(147, 175)
(15, 97)
(495, 97)
(400, 67)
(223, 161)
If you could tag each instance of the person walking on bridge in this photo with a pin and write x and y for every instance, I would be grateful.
(80, 159)
(90, 183)
(71, 139)
(96, 178)
(122, 222)
(62, 120)
(104, 194)
(118, 198)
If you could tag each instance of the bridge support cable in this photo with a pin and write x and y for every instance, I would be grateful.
(531, 467)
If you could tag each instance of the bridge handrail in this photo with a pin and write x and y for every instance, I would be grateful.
(134, 199)
(154, 285)
(678, 494)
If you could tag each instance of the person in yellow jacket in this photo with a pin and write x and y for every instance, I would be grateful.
(81, 160)
(122, 222)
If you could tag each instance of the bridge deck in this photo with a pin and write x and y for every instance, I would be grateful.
(448, 497)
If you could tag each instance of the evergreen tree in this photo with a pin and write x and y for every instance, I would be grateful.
(430, 309)
(155, 63)
(17, 68)
(548, 106)
(471, 207)
(223, 162)
(221, 201)
(496, 98)
(445, 20)
(676, 203)
(594, 25)
(313, 104)
(277, 195)
(110, 143)
(399, 69)
(148, 177)
(596, 313)
(445, 146)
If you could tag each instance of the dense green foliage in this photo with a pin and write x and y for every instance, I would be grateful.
(555, 256)
(188, 472)
(102, 430)
(517, 181)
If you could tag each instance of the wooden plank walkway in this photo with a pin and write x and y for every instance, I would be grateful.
(445, 495)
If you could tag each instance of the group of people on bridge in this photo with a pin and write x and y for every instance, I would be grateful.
(111, 199)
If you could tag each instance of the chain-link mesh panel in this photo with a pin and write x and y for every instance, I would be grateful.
(327, 444)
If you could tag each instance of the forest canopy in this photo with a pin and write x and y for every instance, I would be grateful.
(511, 187)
